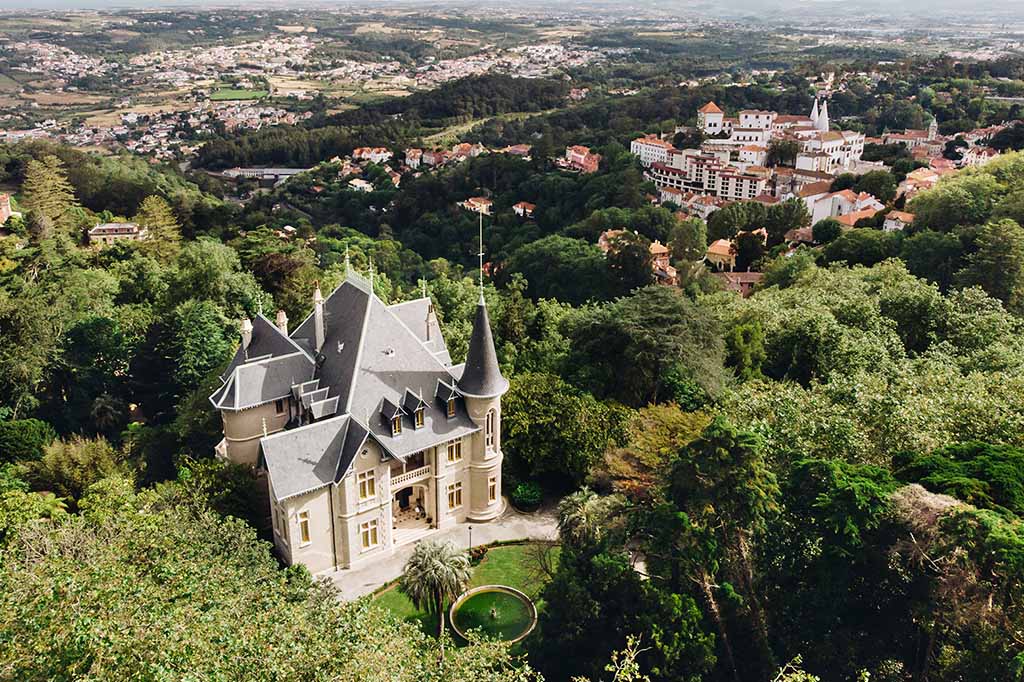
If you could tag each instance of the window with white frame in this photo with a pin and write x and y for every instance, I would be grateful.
(367, 484)
(489, 430)
(368, 534)
(396, 425)
(455, 495)
(419, 418)
(492, 488)
(451, 407)
(304, 527)
(454, 450)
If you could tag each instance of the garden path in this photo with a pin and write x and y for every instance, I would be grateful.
(512, 525)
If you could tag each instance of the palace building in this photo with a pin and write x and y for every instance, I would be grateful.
(368, 435)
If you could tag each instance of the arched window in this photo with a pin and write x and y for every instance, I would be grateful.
(489, 430)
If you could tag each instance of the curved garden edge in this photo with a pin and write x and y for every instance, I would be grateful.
(494, 588)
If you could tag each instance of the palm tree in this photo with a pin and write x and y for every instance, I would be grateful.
(435, 573)
(584, 517)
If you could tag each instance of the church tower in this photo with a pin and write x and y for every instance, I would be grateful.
(822, 123)
(814, 113)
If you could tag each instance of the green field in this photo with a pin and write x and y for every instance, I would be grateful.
(511, 565)
(225, 94)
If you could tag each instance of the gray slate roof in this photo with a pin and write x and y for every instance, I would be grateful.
(311, 457)
(482, 377)
(374, 356)
(267, 339)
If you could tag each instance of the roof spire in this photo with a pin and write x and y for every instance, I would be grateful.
(823, 122)
(348, 263)
(481, 256)
(371, 274)
(423, 287)
(482, 377)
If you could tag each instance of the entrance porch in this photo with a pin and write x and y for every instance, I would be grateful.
(410, 518)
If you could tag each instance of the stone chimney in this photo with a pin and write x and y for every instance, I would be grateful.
(318, 317)
(282, 322)
(246, 329)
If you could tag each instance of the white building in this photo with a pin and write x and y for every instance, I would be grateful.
(650, 149)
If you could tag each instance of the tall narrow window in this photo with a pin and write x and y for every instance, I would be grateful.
(489, 430)
(304, 527)
(492, 488)
(396, 425)
(279, 406)
(367, 485)
(419, 418)
(455, 495)
(451, 407)
(368, 534)
(454, 450)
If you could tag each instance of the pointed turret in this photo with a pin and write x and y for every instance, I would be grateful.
(482, 377)
(823, 123)
(814, 113)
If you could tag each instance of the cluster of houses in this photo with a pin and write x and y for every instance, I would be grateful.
(928, 145)
(732, 164)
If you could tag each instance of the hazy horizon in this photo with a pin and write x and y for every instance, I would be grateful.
(947, 11)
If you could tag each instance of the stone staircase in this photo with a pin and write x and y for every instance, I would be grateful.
(405, 536)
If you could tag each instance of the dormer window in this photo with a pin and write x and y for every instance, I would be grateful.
(446, 395)
(413, 405)
(396, 425)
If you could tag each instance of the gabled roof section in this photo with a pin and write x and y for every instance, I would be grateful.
(418, 316)
(264, 371)
(345, 318)
(267, 340)
(445, 391)
(260, 381)
(393, 363)
(709, 108)
(412, 402)
(388, 410)
(304, 459)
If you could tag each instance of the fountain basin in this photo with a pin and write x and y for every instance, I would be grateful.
(496, 610)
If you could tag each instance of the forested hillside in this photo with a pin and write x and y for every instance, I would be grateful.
(826, 476)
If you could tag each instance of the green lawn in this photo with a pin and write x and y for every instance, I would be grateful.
(224, 94)
(511, 565)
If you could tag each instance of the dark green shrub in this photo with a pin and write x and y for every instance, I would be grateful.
(527, 496)
(24, 439)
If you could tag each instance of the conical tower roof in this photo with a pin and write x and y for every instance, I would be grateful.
(482, 377)
(814, 113)
(823, 122)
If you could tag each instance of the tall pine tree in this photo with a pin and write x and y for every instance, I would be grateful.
(163, 238)
(49, 195)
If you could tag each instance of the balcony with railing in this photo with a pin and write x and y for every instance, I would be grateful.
(408, 477)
